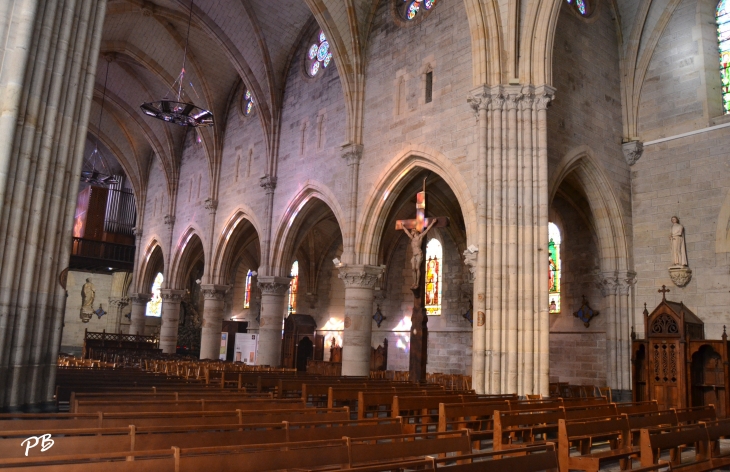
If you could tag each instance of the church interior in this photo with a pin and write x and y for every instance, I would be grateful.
(499, 229)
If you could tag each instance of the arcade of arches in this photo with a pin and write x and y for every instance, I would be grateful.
(598, 119)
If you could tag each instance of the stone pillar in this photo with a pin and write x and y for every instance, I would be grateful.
(352, 153)
(511, 323)
(273, 307)
(616, 288)
(170, 319)
(480, 100)
(210, 338)
(50, 53)
(139, 308)
(360, 283)
(116, 306)
(268, 183)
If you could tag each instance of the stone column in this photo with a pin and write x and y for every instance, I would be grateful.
(352, 153)
(268, 183)
(139, 308)
(360, 283)
(273, 307)
(116, 306)
(511, 324)
(170, 319)
(50, 53)
(480, 100)
(210, 338)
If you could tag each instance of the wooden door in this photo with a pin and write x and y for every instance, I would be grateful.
(665, 378)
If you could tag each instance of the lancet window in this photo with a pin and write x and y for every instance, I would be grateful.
(293, 287)
(248, 103)
(154, 306)
(434, 261)
(247, 293)
(722, 18)
(554, 272)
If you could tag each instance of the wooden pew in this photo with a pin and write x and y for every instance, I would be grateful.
(615, 428)
(390, 448)
(716, 430)
(636, 407)
(145, 461)
(421, 411)
(529, 459)
(674, 438)
(696, 414)
(523, 425)
(97, 440)
(650, 419)
(91, 406)
(53, 421)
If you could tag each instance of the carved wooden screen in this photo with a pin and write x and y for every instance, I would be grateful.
(665, 373)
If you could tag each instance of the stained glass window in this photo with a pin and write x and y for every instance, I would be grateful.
(580, 5)
(247, 294)
(410, 8)
(554, 268)
(293, 287)
(434, 256)
(722, 17)
(248, 103)
(319, 55)
(154, 306)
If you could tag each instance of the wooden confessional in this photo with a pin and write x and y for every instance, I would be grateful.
(675, 365)
(301, 342)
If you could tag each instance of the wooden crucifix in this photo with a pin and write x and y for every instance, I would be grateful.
(416, 230)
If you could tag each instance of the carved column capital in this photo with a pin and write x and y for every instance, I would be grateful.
(137, 231)
(632, 151)
(543, 96)
(170, 220)
(213, 291)
(171, 295)
(119, 302)
(607, 283)
(140, 298)
(352, 153)
(211, 205)
(479, 98)
(271, 285)
(513, 101)
(268, 183)
(360, 276)
(470, 260)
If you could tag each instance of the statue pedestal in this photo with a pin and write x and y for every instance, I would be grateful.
(680, 275)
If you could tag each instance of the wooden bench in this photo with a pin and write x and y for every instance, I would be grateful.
(390, 448)
(525, 426)
(92, 406)
(146, 461)
(696, 414)
(616, 429)
(674, 438)
(529, 459)
(650, 419)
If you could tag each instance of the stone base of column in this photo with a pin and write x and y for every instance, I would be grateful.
(360, 283)
(139, 308)
(273, 307)
(210, 338)
(170, 319)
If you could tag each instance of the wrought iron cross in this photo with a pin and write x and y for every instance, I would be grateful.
(664, 291)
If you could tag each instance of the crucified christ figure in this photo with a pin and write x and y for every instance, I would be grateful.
(416, 239)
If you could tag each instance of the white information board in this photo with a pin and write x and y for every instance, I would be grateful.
(246, 347)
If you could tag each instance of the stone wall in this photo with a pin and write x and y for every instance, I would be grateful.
(689, 176)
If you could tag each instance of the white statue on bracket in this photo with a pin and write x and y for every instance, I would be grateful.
(679, 271)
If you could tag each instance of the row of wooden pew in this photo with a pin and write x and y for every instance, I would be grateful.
(282, 421)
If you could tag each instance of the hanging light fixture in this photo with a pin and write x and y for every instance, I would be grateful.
(176, 110)
(94, 176)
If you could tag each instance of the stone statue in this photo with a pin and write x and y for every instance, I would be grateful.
(679, 249)
(416, 240)
(87, 297)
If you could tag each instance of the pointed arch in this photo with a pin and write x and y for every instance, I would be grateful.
(152, 263)
(607, 215)
(189, 248)
(242, 224)
(391, 182)
(290, 223)
(486, 45)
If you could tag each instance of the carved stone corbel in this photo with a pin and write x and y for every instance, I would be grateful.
(632, 151)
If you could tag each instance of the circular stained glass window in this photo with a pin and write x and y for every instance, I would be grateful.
(410, 9)
(247, 103)
(319, 55)
(581, 6)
